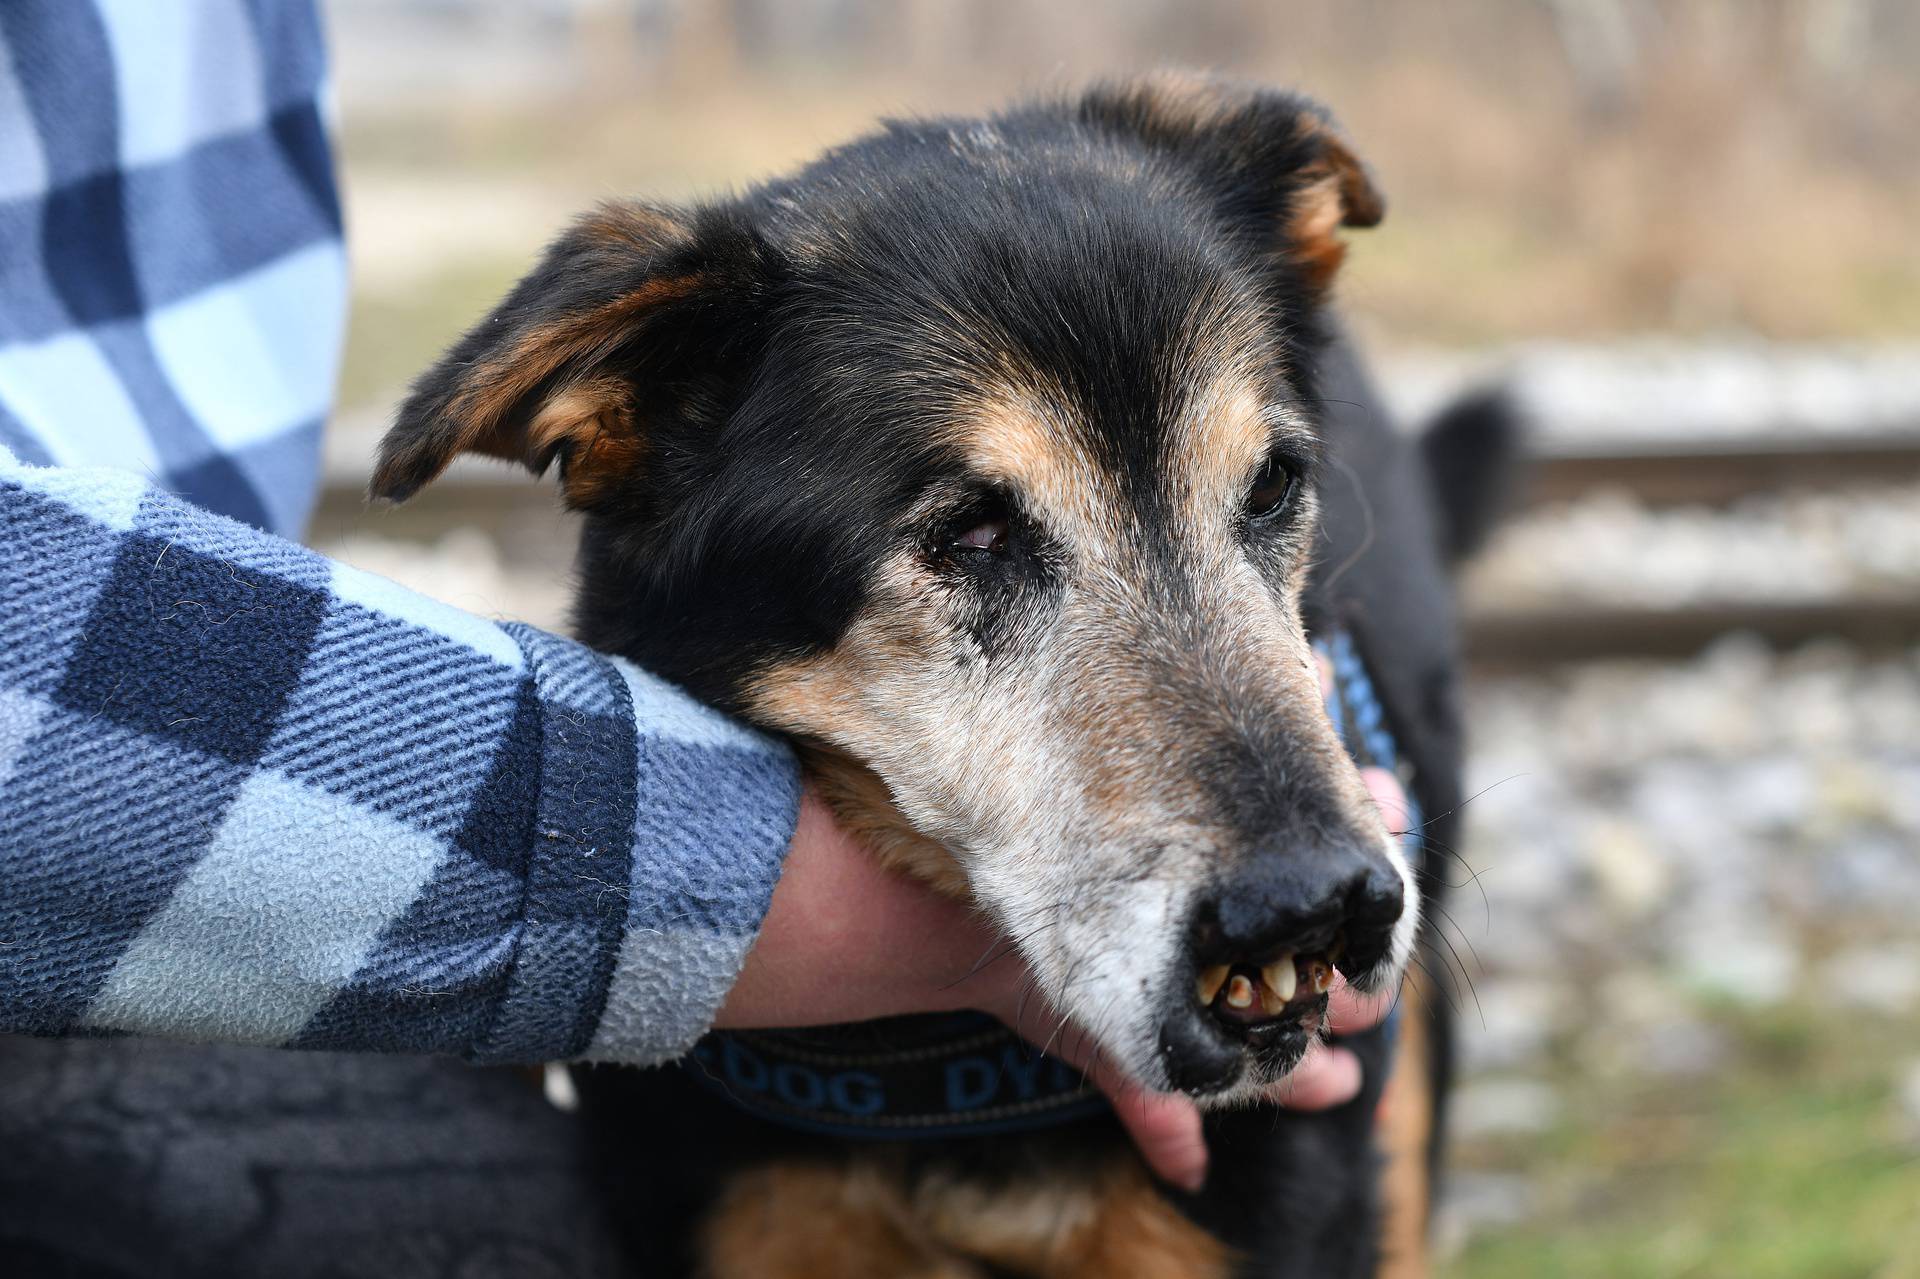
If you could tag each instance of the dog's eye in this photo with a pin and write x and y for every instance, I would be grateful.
(1272, 489)
(988, 536)
(981, 529)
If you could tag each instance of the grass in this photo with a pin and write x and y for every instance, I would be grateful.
(1789, 1164)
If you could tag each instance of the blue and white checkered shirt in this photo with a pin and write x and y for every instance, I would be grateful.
(172, 282)
(246, 794)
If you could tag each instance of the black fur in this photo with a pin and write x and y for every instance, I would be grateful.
(785, 402)
(1471, 451)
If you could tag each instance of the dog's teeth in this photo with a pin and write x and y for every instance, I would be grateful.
(1239, 992)
(1280, 977)
(1208, 984)
(1321, 975)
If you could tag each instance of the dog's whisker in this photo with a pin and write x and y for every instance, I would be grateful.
(997, 951)
(1511, 777)
(1443, 918)
(1444, 988)
(1366, 511)
(1466, 977)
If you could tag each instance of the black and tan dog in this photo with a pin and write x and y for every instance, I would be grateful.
(1007, 464)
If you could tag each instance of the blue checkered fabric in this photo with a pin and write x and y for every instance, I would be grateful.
(254, 796)
(171, 271)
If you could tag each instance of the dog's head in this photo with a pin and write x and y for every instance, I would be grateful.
(981, 457)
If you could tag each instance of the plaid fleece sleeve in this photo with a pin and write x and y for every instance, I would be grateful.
(171, 268)
(254, 796)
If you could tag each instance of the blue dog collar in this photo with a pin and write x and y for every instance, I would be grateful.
(966, 1074)
(908, 1077)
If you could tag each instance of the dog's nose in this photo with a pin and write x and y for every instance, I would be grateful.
(1282, 924)
(1305, 895)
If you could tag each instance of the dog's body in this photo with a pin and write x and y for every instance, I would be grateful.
(1007, 465)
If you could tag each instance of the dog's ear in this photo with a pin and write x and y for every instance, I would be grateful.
(637, 313)
(1274, 159)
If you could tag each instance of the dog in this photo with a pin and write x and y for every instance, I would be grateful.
(1009, 467)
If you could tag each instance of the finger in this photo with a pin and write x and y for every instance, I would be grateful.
(1350, 1011)
(1389, 797)
(1328, 1076)
(1165, 1127)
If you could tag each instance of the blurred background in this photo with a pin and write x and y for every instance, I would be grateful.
(1687, 232)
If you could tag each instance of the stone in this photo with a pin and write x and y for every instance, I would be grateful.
(1503, 1106)
(1471, 1202)
(1746, 960)
(1908, 1099)
(1770, 793)
(1880, 979)
(1622, 862)
(1506, 1024)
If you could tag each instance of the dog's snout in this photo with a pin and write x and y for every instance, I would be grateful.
(1268, 943)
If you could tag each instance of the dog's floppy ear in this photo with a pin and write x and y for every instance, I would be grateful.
(1275, 159)
(632, 315)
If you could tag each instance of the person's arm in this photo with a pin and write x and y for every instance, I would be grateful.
(250, 795)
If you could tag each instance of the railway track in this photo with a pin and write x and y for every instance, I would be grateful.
(1717, 472)
(1498, 639)
(1710, 473)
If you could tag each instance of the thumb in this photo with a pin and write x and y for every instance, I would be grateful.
(1165, 1127)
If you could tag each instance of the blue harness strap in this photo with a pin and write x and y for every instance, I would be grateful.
(966, 1074)
(1361, 720)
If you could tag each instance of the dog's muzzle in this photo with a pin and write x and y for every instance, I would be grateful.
(1265, 946)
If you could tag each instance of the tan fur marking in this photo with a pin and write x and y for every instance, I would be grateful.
(1311, 240)
(1014, 438)
(1337, 193)
(623, 225)
(828, 701)
(1185, 101)
(1336, 190)
(1406, 1128)
(1017, 442)
(1028, 1230)
(1138, 1233)
(584, 407)
(798, 1221)
(1361, 204)
(497, 385)
(592, 421)
(1219, 447)
(811, 1221)
(865, 807)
